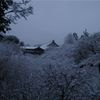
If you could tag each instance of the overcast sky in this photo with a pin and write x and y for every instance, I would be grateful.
(54, 19)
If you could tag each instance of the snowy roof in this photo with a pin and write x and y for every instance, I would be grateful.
(53, 44)
(43, 46)
(28, 47)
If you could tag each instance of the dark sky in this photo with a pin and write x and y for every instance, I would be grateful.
(54, 19)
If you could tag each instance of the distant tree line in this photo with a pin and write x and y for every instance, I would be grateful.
(11, 39)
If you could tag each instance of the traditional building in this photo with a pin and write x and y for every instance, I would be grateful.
(53, 44)
(38, 50)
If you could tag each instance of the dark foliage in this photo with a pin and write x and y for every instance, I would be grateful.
(11, 10)
(4, 21)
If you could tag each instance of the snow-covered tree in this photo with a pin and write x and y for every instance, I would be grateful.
(55, 75)
(87, 46)
(69, 39)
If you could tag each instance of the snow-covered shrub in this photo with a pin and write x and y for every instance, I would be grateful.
(20, 82)
(6, 51)
(18, 76)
